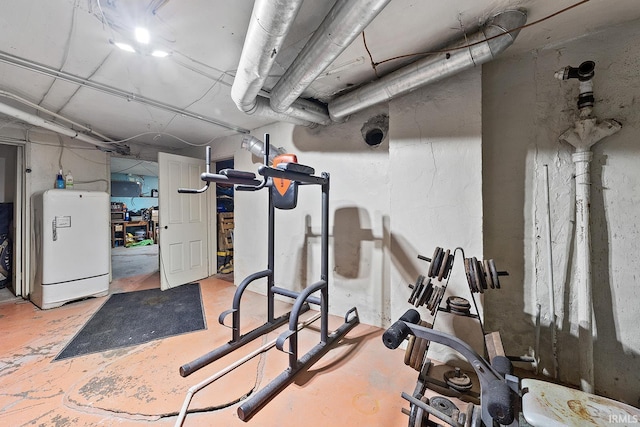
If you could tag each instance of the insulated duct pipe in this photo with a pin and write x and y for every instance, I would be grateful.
(55, 127)
(344, 22)
(586, 132)
(435, 67)
(270, 23)
(256, 147)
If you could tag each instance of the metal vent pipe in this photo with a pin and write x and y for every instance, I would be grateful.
(55, 127)
(270, 23)
(267, 31)
(435, 67)
(344, 22)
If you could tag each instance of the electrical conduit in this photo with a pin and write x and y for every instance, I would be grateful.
(45, 124)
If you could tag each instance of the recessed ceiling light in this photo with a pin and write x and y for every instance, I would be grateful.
(142, 35)
(159, 53)
(125, 47)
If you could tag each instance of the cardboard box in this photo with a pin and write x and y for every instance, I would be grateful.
(225, 231)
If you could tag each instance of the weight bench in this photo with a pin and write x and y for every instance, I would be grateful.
(503, 396)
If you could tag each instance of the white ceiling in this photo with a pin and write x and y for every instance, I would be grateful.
(205, 38)
(134, 166)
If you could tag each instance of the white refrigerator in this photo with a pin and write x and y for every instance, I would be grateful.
(71, 254)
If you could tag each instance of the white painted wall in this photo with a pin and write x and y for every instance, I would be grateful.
(436, 192)
(88, 165)
(525, 110)
(359, 205)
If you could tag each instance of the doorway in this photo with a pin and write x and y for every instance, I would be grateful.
(225, 222)
(134, 218)
(10, 220)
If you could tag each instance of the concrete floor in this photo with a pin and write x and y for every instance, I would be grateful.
(133, 261)
(6, 294)
(357, 383)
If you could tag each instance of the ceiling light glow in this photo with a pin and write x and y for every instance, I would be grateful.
(125, 47)
(159, 53)
(142, 35)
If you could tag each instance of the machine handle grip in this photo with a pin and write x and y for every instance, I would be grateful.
(398, 332)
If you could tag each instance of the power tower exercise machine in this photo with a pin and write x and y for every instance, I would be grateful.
(281, 180)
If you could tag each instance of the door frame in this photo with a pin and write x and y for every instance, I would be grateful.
(21, 262)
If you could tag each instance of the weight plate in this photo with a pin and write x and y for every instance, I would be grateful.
(428, 289)
(438, 263)
(449, 265)
(432, 298)
(494, 274)
(443, 405)
(458, 380)
(415, 288)
(467, 271)
(458, 304)
(487, 271)
(420, 287)
(439, 296)
(418, 417)
(444, 264)
(407, 352)
(420, 297)
(476, 275)
(433, 261)
(422, 348)
(414, 352)
(483, 276)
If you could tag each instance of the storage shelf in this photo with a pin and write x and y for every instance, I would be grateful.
(119, 230)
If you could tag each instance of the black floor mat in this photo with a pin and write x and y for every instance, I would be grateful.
(138, 317)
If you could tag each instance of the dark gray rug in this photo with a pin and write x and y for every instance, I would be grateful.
(134, 318)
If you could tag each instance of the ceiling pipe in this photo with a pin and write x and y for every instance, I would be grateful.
(435, 67)
(270, 23)
(344, 22)
(52, 114)
(586, 132)
(302, 112)
(319, 53)
(55, 127)
(110, 90)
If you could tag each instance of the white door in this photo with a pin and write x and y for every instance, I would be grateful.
(183, 218)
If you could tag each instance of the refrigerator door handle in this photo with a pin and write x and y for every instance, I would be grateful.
(55, 230)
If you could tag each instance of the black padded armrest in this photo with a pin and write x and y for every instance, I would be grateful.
(297, 167)
(232, 173)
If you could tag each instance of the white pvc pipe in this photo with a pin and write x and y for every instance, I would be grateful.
(45, 124)
(196, 388)
(586, 132)
(582, 161)
(551, 287)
